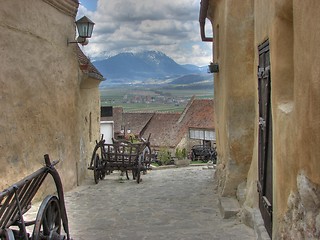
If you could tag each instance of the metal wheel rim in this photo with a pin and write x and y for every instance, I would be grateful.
(138, 172)
(96, 171)
(8, 235)
(48, 221)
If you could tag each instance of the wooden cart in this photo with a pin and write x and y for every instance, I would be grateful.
(15, 201)
(120, 155)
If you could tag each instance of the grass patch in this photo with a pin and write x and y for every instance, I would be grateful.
(155, 164)
(197, 162)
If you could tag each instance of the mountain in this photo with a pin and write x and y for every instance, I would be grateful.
(194, 68)
(191, 79)
(130, 67)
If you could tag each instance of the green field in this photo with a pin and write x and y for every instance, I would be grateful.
(133, 98)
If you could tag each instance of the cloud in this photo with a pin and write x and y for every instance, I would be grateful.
(135, 25)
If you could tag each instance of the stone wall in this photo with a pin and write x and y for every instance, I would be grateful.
(302, 219)
(41, 101)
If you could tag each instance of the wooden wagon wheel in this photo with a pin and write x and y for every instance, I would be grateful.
(48, 221)
(8, 235)
(134, 174)
(137, 175)
(193, 156)
(98, 171)
(146, 159)
(127, 175)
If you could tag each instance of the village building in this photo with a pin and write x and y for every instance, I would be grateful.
(50, 100)
(267, 114)
(169, 130)
(265, 121)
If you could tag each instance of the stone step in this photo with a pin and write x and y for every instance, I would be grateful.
(229, 207)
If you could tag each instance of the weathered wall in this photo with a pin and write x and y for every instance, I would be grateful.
(294, 95)
(298, 118)
(89, 122)
(294, 33)
(40, 98)
(234, 105)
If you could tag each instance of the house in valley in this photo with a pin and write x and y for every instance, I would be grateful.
(169, 130)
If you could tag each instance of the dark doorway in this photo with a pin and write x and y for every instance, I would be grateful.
(207, 143)
(265, 136)
(106, 111)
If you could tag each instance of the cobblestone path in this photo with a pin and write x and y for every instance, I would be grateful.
(177, 203)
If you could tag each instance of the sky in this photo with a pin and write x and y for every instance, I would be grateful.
(169, 26)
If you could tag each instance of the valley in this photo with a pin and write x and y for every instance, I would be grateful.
(137, 98)
(151, 81)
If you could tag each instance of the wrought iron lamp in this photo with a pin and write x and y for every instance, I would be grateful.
(213, 68)
(85, 28)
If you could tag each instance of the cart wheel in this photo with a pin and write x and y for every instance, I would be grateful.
(134, 174)
(96, 168)
(8, 235)
(193, 156)
(146, 159)
(102, 169)
(138, 172)
(48, 221)
(102, 174)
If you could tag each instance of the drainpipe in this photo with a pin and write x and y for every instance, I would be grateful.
(204, 4)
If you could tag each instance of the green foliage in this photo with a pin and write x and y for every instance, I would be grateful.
(181, 154)
(184, 153)
(164, 156)
(132, 138)
(177, 154)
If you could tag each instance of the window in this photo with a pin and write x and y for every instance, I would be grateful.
(106, 111)
(202, 134)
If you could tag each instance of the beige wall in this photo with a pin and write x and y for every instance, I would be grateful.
(41, 101)
(293, 30)
(233, 92)
(299, 114)
(306, 88)
(89, 122)
(294, 35)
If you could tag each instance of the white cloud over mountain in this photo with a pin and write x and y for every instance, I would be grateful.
(169, 26)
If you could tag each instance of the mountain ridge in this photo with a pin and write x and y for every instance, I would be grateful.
(128, 67)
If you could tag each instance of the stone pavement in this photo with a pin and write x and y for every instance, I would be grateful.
(176, 203)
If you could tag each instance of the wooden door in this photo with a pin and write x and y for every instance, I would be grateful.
(265, 136)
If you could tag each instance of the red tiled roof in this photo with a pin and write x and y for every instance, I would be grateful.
(69, 7)
(86, 66)
(163, 129)
(200, 114)
(136, 121)
(167, 129)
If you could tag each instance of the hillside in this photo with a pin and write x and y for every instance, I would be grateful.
(191, 79)
(143, 67)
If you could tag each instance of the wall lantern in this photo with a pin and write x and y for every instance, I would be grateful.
(213, 68)
(85, 28)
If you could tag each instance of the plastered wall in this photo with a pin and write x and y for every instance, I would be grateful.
(42, 106)
(234, 96)
(292, 27)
